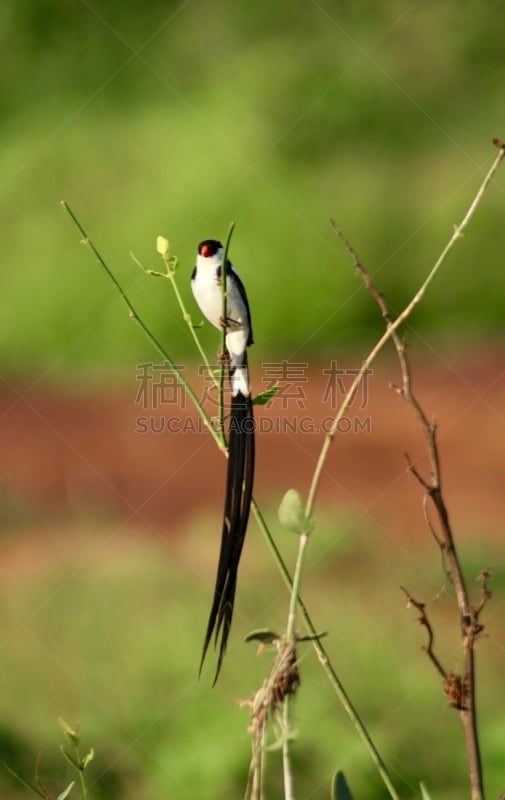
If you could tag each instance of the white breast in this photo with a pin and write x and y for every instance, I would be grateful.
(207, 290)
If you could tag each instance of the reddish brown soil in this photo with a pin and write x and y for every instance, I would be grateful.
(70, 455)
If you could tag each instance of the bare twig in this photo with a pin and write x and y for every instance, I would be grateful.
(423, 620)
(38, 779)
(454, 686)
(486, 594)
(460, 690)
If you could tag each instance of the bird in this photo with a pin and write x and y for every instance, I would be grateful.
(207, 290)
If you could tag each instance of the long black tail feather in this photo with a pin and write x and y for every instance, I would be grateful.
(239, 486)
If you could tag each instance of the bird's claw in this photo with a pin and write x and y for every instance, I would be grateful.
(223, 358)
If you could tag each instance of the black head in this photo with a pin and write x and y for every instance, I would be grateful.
(208, 247)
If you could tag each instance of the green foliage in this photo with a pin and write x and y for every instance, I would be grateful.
(291, 513)
(274, 119)
(263, 398)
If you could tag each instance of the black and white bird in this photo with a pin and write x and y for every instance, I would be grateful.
(207, 290)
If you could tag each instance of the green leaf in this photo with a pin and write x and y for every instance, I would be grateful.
(339, 788)
(262, 635)
(88, 758)
(66, 792)
(291, 514)
(263, 398)
(424, 792)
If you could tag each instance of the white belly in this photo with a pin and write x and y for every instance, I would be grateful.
(207, 293)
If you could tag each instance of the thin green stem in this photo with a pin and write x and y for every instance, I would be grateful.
(224, 317)
(22, 781)
(295, 587)
(210, 371)
(154, 341)
(287, 766)
(289, 792)
(324, 658)
(84, 787)
(189, 322)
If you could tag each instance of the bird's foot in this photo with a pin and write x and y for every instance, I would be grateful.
(223, 358)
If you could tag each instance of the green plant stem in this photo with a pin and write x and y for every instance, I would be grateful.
(289, 792)
(156, 344)
(189, 322)
(324, 659)
(393, 326)
(210, 371)
(84, 786)
(22, 781)
(287, 766)
(297, 575)
(224, 322)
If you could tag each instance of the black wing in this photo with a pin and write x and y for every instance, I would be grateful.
(230, 270)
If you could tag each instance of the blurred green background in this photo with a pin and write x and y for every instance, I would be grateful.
(178, 118)
(175, 118)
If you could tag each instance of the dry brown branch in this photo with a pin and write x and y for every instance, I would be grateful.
(459, 690)
(487, 594)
